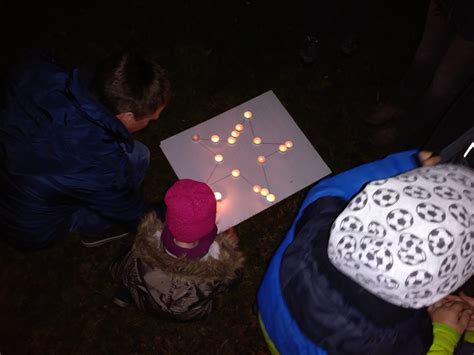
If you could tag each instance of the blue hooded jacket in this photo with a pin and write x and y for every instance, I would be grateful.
(61, 151)
(301, 313)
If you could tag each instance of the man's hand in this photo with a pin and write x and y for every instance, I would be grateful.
(454, 314)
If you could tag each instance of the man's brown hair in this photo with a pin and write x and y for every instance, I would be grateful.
(131, 82)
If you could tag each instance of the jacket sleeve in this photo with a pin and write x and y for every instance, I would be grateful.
(123, 206)
(466, 345)
(236, 258)
(445, 339)
(122, 202)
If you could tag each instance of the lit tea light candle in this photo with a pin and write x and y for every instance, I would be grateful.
(248, 115)
(235, 134)
(264, 191)
(257, 188)
(282, 148)
(239, 127)
(236, 173)
(257, 140)
(289, 144)
(231, 140)
(219, 158)
(196, 137)
(215, 138)
(261, 159)
(218, 196)
(270, 198)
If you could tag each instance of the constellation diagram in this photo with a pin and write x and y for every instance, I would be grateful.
(253, 156)
(262, 188)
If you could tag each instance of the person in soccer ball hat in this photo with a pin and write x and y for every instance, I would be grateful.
(359, 276)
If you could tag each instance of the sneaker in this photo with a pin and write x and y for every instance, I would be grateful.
(110, 234)
(309, 50)
(123, 297)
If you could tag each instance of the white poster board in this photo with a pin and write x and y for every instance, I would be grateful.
(291, 163)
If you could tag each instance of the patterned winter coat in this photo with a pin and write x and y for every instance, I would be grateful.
(176, 288)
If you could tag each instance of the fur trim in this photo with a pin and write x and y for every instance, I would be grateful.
(151, 251)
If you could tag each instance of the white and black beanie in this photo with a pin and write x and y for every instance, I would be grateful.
(409, 239)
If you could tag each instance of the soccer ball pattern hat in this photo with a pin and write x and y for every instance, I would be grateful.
(190, 210)
(409, 239)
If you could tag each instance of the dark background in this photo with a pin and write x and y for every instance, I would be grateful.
(218, 54)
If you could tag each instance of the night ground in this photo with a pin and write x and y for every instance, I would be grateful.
(218, 54)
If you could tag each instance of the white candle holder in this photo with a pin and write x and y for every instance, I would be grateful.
(271, 198)
(235, 134)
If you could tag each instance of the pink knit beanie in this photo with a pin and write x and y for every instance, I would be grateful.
(190, 210)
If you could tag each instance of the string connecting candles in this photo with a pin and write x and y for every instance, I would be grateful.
(261, 159)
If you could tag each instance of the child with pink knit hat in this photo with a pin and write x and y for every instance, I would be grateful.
(176, 268)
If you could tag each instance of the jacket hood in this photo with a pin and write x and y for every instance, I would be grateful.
(151, 251)
(52, 125)
(332, 310)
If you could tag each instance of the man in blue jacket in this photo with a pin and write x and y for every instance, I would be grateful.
(68, 160)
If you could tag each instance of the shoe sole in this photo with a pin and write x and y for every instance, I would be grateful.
(103, 241)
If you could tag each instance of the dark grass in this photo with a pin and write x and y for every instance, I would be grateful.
(218, 55)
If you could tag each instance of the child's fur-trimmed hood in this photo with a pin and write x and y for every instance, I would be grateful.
(150, 250)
